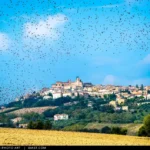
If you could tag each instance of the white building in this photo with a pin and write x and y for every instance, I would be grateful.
(113, 103)
(104, 91)
(17, 99)
(57, 95)
(120, 101)
(60, 117)
(15, 120)
(143, 103)
(125, 108)
(47, 97)
(67, 94)
(69, 84)
(148, 96)
(90, 104)
(23, 125)
(118, 108)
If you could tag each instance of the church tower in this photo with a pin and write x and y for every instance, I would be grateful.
(78, 81)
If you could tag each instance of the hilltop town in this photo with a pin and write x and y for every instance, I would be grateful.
(73, 89)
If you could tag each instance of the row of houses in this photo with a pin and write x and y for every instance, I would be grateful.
(72, 89)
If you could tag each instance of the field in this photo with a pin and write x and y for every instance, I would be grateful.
(39, 137)
(39, 110)
(131, 127)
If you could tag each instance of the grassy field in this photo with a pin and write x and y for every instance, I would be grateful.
(38, 110)
(131, 127)
(39, 137)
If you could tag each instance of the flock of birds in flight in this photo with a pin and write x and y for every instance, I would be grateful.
(67, 47)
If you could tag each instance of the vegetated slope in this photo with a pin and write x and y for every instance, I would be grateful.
(39, 110)
(41, 137)
(131, 127)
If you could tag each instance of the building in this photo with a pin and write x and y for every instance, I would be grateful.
(23, 125)
(105, 91)
(17, 99)
(47, 97)
(69, 84)
(125, 108)
(57, 95)
(88, 89)
(87, 85)
(60, 117)
(126, 95)
(86, 95)
(2, 107)
(143, 103)
(120, 101)
(147, 88)
(113, 103)
(67, 94)
(148, 96)
(15, 120)
(90, 104)
(45, 91)
(27, 96)
(118, 108)
(96, 88)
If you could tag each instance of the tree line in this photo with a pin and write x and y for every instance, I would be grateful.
(39, 124)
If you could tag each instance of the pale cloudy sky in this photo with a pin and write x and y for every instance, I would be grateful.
(104, 42)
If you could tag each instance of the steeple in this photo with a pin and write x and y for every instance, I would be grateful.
(77, 78)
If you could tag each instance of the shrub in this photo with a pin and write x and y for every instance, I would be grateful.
(30, 125)
(106, 129)
(38, 125)
(145, 129)
(123, 131)
(90, 130)
(74, 127)
(142, 132)
(47, 125)
(118, 130)
(147, 125)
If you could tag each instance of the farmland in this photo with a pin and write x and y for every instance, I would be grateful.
(38, 110)
(41, 137)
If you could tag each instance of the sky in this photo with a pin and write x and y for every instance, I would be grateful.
(44, 41)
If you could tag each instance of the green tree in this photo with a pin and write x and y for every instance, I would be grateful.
(137, 86)
(147, 124)
(38, 125)
(106, 129)
(74, 127)
(17, 124)
(142, 132)
(145, 129)
(118, 130)
(47, 125)
(50, 94)
(30, 125)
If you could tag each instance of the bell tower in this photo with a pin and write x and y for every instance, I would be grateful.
(79, 82)
(77, 79)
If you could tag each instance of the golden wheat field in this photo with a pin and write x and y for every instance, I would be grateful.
(40, 137)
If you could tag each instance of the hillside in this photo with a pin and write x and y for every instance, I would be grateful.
(85, 114)
(38, 110)
(40, 137)
(132, 127)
